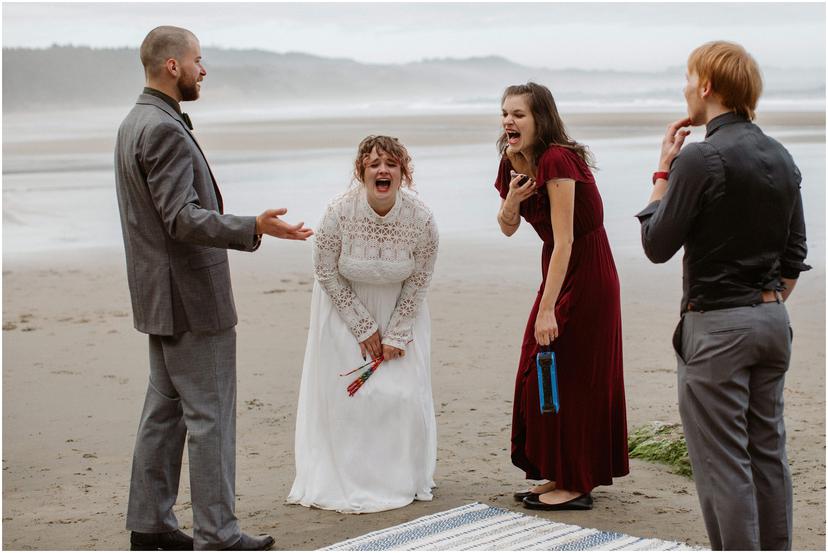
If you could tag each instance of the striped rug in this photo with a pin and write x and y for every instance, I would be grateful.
(480, 527)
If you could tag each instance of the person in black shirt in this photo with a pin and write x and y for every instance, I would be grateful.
(733, 201)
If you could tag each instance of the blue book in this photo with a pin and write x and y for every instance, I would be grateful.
(547, 382)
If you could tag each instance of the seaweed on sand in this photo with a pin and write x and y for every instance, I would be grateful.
(661, 443)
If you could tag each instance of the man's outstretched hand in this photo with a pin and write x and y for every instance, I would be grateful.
(269, 223)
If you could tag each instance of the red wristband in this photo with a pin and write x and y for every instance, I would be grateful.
(660, 175)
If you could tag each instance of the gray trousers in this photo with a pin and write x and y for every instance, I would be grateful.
(731, 374)
(192, 390)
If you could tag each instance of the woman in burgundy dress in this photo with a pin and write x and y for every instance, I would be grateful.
(577, 310)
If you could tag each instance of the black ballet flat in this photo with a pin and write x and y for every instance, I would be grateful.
(581, 503)
(520, 496)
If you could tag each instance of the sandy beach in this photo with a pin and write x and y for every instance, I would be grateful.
(75, 370)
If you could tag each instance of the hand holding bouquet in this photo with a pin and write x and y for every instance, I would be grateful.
(372, 365)
(357, 384)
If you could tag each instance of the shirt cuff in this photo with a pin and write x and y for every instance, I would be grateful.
(648, 211)
(388, 341)
(791, 272)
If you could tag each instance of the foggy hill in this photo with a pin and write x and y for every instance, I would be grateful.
(65, 77)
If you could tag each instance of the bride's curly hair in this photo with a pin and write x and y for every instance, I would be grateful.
(387, 145)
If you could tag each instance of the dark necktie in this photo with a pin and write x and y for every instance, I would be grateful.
(187, 120)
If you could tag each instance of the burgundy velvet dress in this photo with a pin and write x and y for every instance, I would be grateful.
(584, 445)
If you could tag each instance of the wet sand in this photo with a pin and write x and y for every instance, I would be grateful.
(75, 375)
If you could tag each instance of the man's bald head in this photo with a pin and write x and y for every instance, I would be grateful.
(163, 43)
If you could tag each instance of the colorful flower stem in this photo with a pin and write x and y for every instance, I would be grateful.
(356, 369)
(360, 380)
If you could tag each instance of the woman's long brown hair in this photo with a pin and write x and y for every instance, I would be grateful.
(549, 127)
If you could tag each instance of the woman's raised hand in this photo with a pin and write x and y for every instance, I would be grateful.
(521, 187)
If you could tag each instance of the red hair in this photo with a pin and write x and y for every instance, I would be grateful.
(733, 74)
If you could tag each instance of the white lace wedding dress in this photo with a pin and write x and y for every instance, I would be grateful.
(376, 450)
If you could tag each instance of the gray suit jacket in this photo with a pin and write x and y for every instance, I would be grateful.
(175, 233)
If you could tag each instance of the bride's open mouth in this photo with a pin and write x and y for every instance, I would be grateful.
(513, 137)
(383, 185)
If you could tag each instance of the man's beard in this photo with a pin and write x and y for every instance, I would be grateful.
(188, 88)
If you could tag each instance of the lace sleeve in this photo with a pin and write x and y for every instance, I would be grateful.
(326, 249)
(400, 327)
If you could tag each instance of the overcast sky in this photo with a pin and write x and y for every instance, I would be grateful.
(588, 36)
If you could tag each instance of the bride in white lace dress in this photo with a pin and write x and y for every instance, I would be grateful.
(374, 255)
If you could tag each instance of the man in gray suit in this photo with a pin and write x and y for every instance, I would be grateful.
(733, 202)
(175, 236)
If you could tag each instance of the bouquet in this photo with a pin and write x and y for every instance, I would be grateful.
(372, 365)
(357, 384)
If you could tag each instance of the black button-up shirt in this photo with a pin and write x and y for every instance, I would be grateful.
(733, 202)
(172, 103)
(170, 100)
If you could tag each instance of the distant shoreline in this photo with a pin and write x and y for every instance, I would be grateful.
(42, 136)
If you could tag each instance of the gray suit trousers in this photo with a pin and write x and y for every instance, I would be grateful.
(731, 374)
(192, 390)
